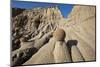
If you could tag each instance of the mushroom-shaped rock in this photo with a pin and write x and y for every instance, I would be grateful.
(75, 53)
(54, 51)
(59, 34)
(61, 52)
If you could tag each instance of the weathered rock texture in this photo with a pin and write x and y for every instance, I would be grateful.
(80, 26)
(55, 51)
(37, 26)
(35, 23)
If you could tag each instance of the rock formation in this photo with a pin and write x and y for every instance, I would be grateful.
(33, 22)
(55, 51)
(60, 52)
(28, 48)
(39, 34)
(81, 27)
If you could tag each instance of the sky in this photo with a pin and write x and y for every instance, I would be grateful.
(64, 8)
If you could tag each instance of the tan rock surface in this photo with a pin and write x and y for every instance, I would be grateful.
(61, 53)
(54, 51)
(36, 25)
(81, 27)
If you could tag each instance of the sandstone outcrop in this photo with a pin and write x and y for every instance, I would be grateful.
(55, 51)
(43, 35)
(80, 26)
